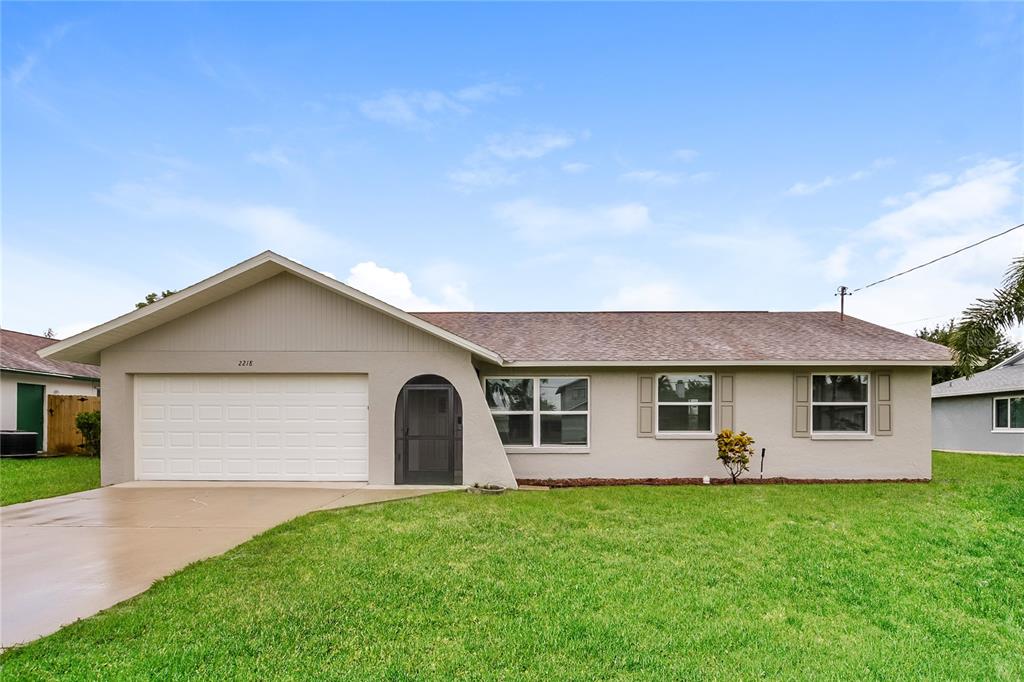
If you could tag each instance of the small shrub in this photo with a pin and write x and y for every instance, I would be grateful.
(734, 451)
(88, 424)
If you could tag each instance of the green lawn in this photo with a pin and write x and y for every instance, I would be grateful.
(866, 581)
(22, 480)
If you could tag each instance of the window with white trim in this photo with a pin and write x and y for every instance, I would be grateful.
(685, 404)
(540, 411)
(840, 403)
(1008, 413)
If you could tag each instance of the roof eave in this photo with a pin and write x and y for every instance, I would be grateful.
(728, 363)
(66, 349)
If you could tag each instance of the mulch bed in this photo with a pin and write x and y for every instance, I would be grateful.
(593, 482)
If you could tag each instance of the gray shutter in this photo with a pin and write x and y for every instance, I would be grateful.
(726, 402)
(645, 406)
(802, 406)
(883, 404)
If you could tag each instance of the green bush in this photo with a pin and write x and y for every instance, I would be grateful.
(734, 451)
(88, 424)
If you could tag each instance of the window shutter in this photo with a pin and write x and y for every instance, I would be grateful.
(645, 407)
(883, 404)
(802, 406)
(726, 402)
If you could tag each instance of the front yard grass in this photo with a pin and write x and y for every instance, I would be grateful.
(855, 581)
(34, 478)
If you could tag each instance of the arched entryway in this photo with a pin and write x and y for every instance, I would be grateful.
(428, 432)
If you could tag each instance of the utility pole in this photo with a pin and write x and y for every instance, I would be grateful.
(842, 292)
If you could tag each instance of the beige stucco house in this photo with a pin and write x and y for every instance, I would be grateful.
(272, 371)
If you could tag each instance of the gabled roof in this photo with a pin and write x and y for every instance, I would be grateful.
(1007, 376)
(695, 338)
(86, 347)
(19, 353)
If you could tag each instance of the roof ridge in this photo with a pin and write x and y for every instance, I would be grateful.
(38, 336)
(620, 312)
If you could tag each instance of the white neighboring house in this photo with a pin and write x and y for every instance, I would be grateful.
(26, 379)
(982, 414)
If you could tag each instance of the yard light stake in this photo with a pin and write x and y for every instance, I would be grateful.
(762, 462)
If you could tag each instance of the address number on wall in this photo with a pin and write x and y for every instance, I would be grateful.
(245, 363)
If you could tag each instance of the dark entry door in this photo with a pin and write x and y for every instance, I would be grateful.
(30, 410)
(428, 434)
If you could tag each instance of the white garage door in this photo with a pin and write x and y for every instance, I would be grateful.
(283, 427)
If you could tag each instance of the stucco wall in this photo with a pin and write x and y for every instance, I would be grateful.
(763, 408)
(964, 423)
(54, 385)
(336, 337)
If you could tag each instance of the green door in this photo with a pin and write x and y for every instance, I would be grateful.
(30, 410)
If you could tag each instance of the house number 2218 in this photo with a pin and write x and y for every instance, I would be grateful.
(245, 363)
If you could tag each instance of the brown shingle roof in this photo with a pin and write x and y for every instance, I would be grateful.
(18, 352)
(686, 337)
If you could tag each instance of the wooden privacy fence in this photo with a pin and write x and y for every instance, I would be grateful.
(62, 435)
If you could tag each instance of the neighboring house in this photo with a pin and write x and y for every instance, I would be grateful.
(273, 371)
(26, 379)
(982, 414)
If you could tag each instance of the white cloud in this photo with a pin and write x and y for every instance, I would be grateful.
(536, 221)
(686, 155)
(396, 288)
(419, 109)
(981, 201)
(654, 295)
(575, 167)
(836, 264)
(268, 226)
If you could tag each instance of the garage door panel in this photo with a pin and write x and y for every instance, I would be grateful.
(260, 427)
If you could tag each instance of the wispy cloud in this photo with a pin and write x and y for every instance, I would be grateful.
(521, 145)
(21, 71)
(486, 92)
(685, 155)
(663, 178)
(658, 294)
(803, 189)
(420, 109)
(267, 225)
(540, 222)
(487, 177)
(575, 167)
(978, 202)
(487, 166)
(276, 157)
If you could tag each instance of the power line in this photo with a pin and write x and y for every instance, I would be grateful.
(935, 260)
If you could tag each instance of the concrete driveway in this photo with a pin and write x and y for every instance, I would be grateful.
(68, 557)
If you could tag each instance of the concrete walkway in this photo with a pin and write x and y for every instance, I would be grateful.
(68, 557)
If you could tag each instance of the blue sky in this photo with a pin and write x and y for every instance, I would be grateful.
(499, 157)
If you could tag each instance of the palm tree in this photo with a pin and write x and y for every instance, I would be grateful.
(986, 317)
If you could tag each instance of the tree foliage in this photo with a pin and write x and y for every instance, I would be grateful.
(994, 350)
(154, 297)
(986, 317)
(88, 424)
(734, 451)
